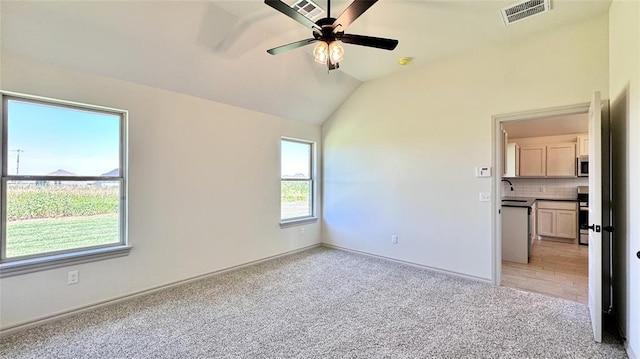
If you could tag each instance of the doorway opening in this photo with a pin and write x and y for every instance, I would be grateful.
(537, 157)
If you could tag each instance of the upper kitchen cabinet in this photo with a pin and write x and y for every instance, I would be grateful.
(583, 145)
(561, 160)
(548, 147)
(551, 160)
(533, 161)
(512, 160)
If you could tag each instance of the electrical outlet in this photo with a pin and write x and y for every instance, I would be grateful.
(394, 239)
(543, 190)
(302, 231)
(72, 277)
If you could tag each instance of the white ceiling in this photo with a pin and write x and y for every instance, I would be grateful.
(217, 49)
(550, 126)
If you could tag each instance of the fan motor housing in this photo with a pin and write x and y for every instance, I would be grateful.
(328, 33)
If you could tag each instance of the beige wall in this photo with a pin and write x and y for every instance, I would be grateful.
(204, 191)
(624, 84)
(400, 154)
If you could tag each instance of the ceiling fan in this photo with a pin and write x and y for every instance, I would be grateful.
(329, 32)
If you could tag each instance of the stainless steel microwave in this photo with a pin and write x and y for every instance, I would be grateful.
(583, 166)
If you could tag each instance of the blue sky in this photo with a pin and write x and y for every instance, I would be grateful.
(295, 159)
(82, 142)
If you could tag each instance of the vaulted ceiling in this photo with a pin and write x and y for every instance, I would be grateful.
(217, 49)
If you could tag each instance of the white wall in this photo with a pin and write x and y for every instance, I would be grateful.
(204, 191)
(624, 85)
(400, 154)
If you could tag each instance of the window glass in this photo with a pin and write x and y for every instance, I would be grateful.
(60, 141)
(296, 159)
(55, 196)
(296, 186)
(52, 216)
(296, 199)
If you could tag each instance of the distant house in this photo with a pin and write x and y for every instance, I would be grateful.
(112, 173)
(59, 172)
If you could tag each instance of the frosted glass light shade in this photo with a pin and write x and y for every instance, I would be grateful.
(328, 51)
(321, 52)
(336, 52)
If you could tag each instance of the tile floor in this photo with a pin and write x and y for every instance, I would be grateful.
(556, 269)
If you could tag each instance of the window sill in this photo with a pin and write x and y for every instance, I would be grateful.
(31, 265)
(298, 222)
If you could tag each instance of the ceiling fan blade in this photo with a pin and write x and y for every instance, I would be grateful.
(291, 46)
(357, 8)
(287, 10)
(377, 42)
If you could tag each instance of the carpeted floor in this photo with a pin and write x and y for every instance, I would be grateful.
(324, 303)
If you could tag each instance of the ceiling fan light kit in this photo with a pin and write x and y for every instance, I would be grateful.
(329, 32)
(332, 52)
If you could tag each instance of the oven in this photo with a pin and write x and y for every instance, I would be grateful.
(583, 214)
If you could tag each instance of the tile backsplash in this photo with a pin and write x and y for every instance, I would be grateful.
(551, 188)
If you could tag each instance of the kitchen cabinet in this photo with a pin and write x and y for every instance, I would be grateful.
(505, 139)
(533, 161)
(552, 160)
(512, 160)
(515, 234)
(583, 145)
(561, 160)
(557, 219)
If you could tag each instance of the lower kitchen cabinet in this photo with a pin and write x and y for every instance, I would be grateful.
(557, 219)
(515, 234)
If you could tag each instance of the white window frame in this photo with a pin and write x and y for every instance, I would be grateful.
(312, 218)
(55, 259)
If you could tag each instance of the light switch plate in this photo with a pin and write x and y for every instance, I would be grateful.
(485, 197)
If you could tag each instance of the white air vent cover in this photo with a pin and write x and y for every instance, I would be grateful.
(524, 9)
(308, 9)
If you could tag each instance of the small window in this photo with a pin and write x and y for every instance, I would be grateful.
(63, 182)
(296, 180)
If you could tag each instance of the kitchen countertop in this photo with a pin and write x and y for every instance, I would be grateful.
(528, 201)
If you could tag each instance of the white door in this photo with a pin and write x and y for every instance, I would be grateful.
(595, 216)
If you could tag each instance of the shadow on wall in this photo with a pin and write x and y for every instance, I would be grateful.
(619, 126)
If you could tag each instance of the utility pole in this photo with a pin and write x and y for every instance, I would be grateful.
(19, 151)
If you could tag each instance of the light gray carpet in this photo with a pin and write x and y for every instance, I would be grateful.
(324, 303)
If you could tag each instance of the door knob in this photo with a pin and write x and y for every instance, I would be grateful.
(594, 228)
(638, 254)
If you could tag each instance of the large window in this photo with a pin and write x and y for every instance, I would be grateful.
(296, 181)
(63, 181)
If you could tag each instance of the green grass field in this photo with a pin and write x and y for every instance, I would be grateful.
(31, 201)
(54, 234)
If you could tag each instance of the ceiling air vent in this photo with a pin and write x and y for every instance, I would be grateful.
(524, 9)
(308, 9)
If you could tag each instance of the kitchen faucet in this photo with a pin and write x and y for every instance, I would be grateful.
(509, 182)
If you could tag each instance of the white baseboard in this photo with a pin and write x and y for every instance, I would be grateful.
(462, 275)
(75, 311)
